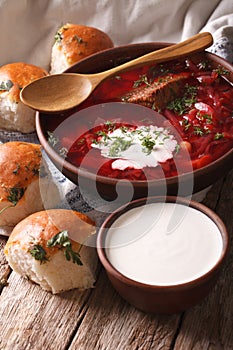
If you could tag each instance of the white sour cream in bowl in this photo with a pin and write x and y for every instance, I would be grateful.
(159, 255)
(163, 254)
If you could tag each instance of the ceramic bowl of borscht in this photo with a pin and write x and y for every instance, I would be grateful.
(163, 254)
(162, 129)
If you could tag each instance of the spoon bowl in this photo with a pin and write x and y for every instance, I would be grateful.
(47, 94)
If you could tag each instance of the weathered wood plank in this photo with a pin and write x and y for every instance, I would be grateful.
(111, 323)
(209, 325)
(31, 318)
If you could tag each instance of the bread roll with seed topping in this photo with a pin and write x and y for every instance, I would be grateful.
(25, 185)
(50, 248)
(73, 42)
(14, 115)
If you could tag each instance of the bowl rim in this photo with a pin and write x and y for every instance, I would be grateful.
(111, 270)
(83, 172)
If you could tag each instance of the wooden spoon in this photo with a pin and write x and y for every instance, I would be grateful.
(60, 92)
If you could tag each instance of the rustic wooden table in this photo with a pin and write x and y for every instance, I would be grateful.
(31, 318)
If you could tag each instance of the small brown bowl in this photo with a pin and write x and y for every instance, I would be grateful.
(166, 297)
(108, 188)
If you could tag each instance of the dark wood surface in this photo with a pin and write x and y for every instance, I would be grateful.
(31, 318)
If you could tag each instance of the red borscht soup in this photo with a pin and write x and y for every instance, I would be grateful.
(194, 126)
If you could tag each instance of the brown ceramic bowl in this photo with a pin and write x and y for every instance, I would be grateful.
(167, 297)
(182, 185)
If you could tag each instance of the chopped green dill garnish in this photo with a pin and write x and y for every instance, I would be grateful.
(110, 125)
(95, 142)
(124, 129)
(15, 194)
(148, 143)
(6, 85)
(218, 136)
(58, 37)
(198, 131)
(166, 137)
(103, 134)
(221, 70)
(191, 89)
(181, 104)
(119, 145)
(186, 124)
(157, 70)
(153, 107)
(208, 118)
(62, 239)
(203, 65)
(78, 39)
(157, 134)
(38, 253)
(142, 80)
(35, 171)
(81, 141)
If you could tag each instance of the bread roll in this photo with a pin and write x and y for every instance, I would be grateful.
(46, 248)
(74, 42)
(14, 115)
(24, 182)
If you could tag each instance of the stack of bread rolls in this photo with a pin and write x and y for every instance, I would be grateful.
(46, 245)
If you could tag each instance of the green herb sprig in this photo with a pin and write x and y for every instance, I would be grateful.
(148, 142)
(14, 195)
(6, 85)
(198, 131)
(58, 37)
(181, 104)
(78, 39)
(39, 253)
(62, 239)
(119, 145)
(142, 80)
(218, 136)
(221, 70)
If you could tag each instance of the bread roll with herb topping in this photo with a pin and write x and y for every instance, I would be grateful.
(25, 185)
(14, 115)
(49, 248)
(73, 42)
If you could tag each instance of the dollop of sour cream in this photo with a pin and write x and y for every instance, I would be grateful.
(145, 146)
(141, 246)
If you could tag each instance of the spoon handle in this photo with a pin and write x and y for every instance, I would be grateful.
(194, 44)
